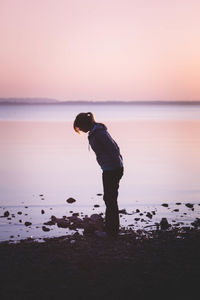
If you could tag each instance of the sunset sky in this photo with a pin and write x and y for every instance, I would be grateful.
(100, 49)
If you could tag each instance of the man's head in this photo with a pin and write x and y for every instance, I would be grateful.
(84, 122)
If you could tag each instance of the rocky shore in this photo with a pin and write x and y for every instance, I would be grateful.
(137, 265)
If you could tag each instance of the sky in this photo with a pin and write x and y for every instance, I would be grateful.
(100, 49)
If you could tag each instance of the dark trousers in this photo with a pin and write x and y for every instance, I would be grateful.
(111, 185)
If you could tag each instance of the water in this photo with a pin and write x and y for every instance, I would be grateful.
(41, 154)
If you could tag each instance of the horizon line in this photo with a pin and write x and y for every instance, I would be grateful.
(43, 100)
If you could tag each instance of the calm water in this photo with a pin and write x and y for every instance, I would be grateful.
(41, 154)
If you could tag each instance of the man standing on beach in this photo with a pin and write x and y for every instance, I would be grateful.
(111, 162)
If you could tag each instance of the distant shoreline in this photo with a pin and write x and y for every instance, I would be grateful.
(13, 101)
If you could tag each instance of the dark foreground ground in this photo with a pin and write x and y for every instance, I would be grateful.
(156, 265)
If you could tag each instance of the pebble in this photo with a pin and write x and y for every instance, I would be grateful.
(164, 224)
(6, 213)
(96, 205)
(19, 212)
(42, 211)
(44, 228)
(27, 223)
(149, 215)
(70, 200)
(165, 205)
(99, 194)
(190, 205)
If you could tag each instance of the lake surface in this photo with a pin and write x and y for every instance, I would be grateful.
(41, 154)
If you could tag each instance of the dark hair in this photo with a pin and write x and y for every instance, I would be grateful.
(83, 120)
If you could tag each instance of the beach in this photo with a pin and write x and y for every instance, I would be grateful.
(136, 265)
(48, 248)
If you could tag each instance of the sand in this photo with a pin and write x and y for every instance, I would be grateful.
(137, 265)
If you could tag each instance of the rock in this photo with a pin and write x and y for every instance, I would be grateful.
(96, 205)
(49, 223)
(70, 200)
(20, 221)
(165, 205)
(27, 223)
(75, 214)
(12, 236)
(137, 210)
(137, 219)
(178, 203)
(63, 223)
(42, 211)
(44, 228)
(41, 195)
(19, 213)
(164, 224)
(99, 194)
(176, 210)
(190, 205)
(196, 223)
(122, 211)
(149, 215)
(95, 218)
(153, 212)
(9, 218)
(6, 214)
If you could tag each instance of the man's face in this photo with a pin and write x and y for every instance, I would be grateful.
(84, 128)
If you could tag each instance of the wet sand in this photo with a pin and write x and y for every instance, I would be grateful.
(136, 265)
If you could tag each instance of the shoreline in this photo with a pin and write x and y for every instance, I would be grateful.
(136, 264)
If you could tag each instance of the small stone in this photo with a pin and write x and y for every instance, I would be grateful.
(165, 205)
(137, 210)
(44, 228)
(96, 205)
(164, 224)
(20, 221)
(42, 211)
(99, 194)
(6, 213)
(190, 205)
(12, 236)
(149, 215)
(19, 213)
(50, 223)
(178, 203)
(70, 200)
(137, 219)
(9, 218)
(176, 210)
(75, 214)
(41, 195)
(27, 223)
(123, 211)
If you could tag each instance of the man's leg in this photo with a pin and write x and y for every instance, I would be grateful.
(111, 184)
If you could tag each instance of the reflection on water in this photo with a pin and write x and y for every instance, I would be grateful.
(162, 162)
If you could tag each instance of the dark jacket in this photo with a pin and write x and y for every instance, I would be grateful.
(106, 149)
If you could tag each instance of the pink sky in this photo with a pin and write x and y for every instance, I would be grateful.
(100, 49)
